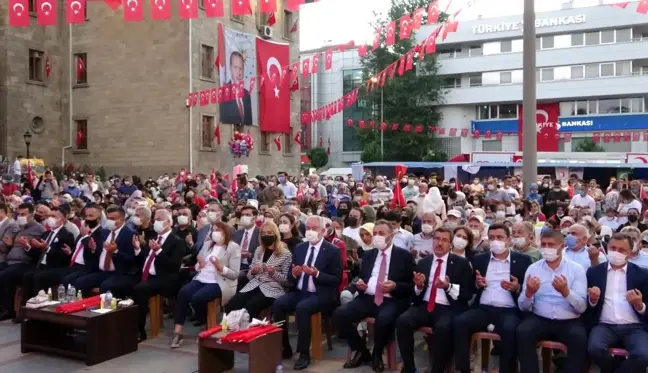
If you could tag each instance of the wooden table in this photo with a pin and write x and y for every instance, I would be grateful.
(83, 335)
(216, 357)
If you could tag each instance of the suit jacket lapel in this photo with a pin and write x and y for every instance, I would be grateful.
(450, 266)
(320, 255)
(629, 278)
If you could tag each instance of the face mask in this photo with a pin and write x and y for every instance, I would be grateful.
(281, 179)
(51, 222)
(128, 183)
(476, 203)
(92, 224)
(476, 233)
(427, 228)
(451, 224)
(459, 243)
(271, 183)
(616, 258)
(21, 220)
(633, 218)
(338, 233)
(130, 212)
(268, 240)
(111, 225)
(312, 236)
(488, 221)
(500, 214)
(518, 241)
(136, 220)
(183, 220)
(491, 187)
(582, 193)
(380, 184)
(214, 216)
(38, 218)
(158, 226)
(410, 182)
(550, 254)
(571, 241)
(497, 247)
(246, 221)
(379, 242)
(217, 237)
(610, 218)
(284, 228)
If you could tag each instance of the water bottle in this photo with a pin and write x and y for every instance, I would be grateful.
(279, 368)
(108, 299)
(60, 296)
(71, 293)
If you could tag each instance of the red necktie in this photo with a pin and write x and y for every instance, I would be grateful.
(109, 254)
(433, 291)
(245, 243)
(76, 252)
(378, 297)
(149, 262)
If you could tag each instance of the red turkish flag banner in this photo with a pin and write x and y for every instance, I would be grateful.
(409, 60)
(252, 81)
(214, 95)
(546, 127)
(305, 67)
(401, 66)
(315, 63)
(293, 5)
(48, 67)
(213, 8)
(488, 135)
(80, 67)
(226, 93)
(297, 138)
(204, 97)
(390, 33)
(642, 7)
(645, 136)
(596, 138)
(18, 13)
(362, 124)
(161, 10)
(187, 9)
(349, 122)
(74, 11)
(499, 135)
(627, 136)
(328, 59)
(433, 12)
(567, 137)
(453, 132)
(441, 131)
(635, 136)
(376, 39)
(394, 126)
(430, 47)
(383, 126)
(464, 132)
(405, 27)
(268, 6)
(46, 12)
(362, 50)
(475, 134)
(617, 137)
(417, 18)
(113, 4)
(241, 7)
(277, 142)
(620, 5)
(217, 134)
(274, 97)
(79, 138)
(133, 10)
(271, 19)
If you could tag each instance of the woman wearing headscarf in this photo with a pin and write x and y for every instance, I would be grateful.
(366, 238)
(434, 202)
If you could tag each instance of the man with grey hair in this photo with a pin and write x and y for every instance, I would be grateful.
(158, 262)
(578, 247)
(315, 276)
(141, 223)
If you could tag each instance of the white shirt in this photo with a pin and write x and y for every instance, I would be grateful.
(208, 274)
(102, 257)
(611, 223)
(15, 168)
(422, 245)
(582, 257)
(441, 297)
(513, 194)
(403, 239)
(311, 284)
(352, 233)
(50, 239)
(616, 309)
(624, 207)
(373, 280)
(161, 238)
(88, 189)
(494, 295)
(80, 248)
(584, 202)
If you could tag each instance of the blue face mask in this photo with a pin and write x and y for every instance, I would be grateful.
(571, 242)
(488, 221)
(582, 193)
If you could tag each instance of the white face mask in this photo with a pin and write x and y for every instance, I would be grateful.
(459, 243)
(183, 220)
(427, 228)
(379, 242)
(130, 212)
(338, 233)
(217, 237)
(136, 220)
(500, 214)
(111, 225)
(616, 258)
(284, 228)
(476, 233)
(213, 216)
(51, 222)
(550, 255)
(518, 241)
(246, 221)
(21, 220)
(312, 236)
(158, 226)
(497, 247)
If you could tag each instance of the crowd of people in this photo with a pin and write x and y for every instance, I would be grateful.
(559, 260)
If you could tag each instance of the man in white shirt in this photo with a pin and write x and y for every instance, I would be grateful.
(610, 219)
(422, 243)
(402, 237)
(615, 297)
(16, 169)
(578, 250)
(583, 200)
(354, 221)
(514, 195)
(289, 189)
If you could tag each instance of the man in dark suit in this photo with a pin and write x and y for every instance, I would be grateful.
(84, 257)
(616, 309)
(498, 287)
(316, 274)
(116, 266)
(385, 288)
(237, 110)
(443, 286)
(247, 237)
(54, 252)
(160, 264)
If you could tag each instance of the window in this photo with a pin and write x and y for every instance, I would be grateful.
(448, 145)
(623, 68)
(32, 6)
(288, 24)
(547, 42)
(607, 36)
(625, 105)
(581, 108)
(206, 62)
(288, 142)
(36, 65)
(505, 77)
(207, 132)
(475, 80)
(492, 145)
(81, 60)
(636, 105)
(592, 38)
(352, 79)
(262, 18)
(506, 46)
(547, 75)
(608, 106)
(475, 51)
(493, 112)
(508, 111)
(452, 82)
(482, 112)
(237, 18)
(567, 108)
(82, 134)
(264, 146)
(577, 72)
(606, 69)
(623, 35)
(591, 71)
(577, 40)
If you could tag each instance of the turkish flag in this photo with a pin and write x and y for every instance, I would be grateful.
(113, 4)
(133, 10)
(328, 59)
(362, 50)
(48, 67)
(464, 132)
(390, 34)
(405, 27)
(267, 6)
(274, 97)
(160, 9)
(635, 136)
(46, 12)
(74, 11)
(277, 142)
(642, 7)
(18, 13)
(204, 98)
(252, 81)
(417, 18)
(433, 12)
(271, 20)
(305, 67)
(401, 66)
(80, 68)
(409, 60)
(214, 8)
(188, 9)
(214, 95)
(297, 138)
(546, 127)
(315, 63)
(226, 93)
(376, 39)
(620, 5)
(217, 134)
(241, 7)
(293, 5)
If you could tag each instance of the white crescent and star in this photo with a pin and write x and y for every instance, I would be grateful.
(161, 4)
(16, 6)
(273, 61)
(47, 5)
(186, 4)
(74, 4)
(134, 6)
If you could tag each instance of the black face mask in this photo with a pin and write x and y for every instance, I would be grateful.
(268, 240)
(342, 212)
(633, 218)
(38, 218)
(351, 221)
(189, 201)
(92, 224)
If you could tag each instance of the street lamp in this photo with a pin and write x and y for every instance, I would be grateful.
(374, 80)
(27, 136)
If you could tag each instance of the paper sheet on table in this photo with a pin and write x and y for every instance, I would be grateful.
(102, 310)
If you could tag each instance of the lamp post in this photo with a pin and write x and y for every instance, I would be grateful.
(529, 145)
(27, 136)
(382, 147)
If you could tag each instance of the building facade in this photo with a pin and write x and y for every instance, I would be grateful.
(129, 102)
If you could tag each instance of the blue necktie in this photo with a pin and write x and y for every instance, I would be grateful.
(309, 262)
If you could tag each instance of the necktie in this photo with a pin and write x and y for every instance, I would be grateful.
(309, 262)
(77, 251)
(378, 297)
(109, 254)
(245, 243)
(149, 262)
(433, 291)
(240, 108)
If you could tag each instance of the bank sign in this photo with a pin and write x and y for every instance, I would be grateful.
(488, 28)
(627, 122)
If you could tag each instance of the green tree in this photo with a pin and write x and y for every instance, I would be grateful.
(407, 99)
(588, 146)
(318, 157)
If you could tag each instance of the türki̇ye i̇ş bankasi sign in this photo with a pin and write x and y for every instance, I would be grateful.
(516, 26)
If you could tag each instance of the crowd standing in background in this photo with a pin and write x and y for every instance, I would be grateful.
(562, 260)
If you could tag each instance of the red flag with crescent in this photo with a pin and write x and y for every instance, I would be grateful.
(46, 12)
(75, 11)
(241, 7)
(18, 13)
(274, 97)
(390, 33)
(214, 183)
(188, 9)
(214, 8)
(328, 59)
(268, 6)
(133, 10)
(160, 9)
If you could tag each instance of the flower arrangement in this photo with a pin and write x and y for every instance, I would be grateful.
(241, 144)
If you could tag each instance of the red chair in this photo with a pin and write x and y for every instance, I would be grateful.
(429, 334)
(546, 348)
(391, 348)
(485, 339)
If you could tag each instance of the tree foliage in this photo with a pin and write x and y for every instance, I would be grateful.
(407, 99)
(588, 146)
(318, 157)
